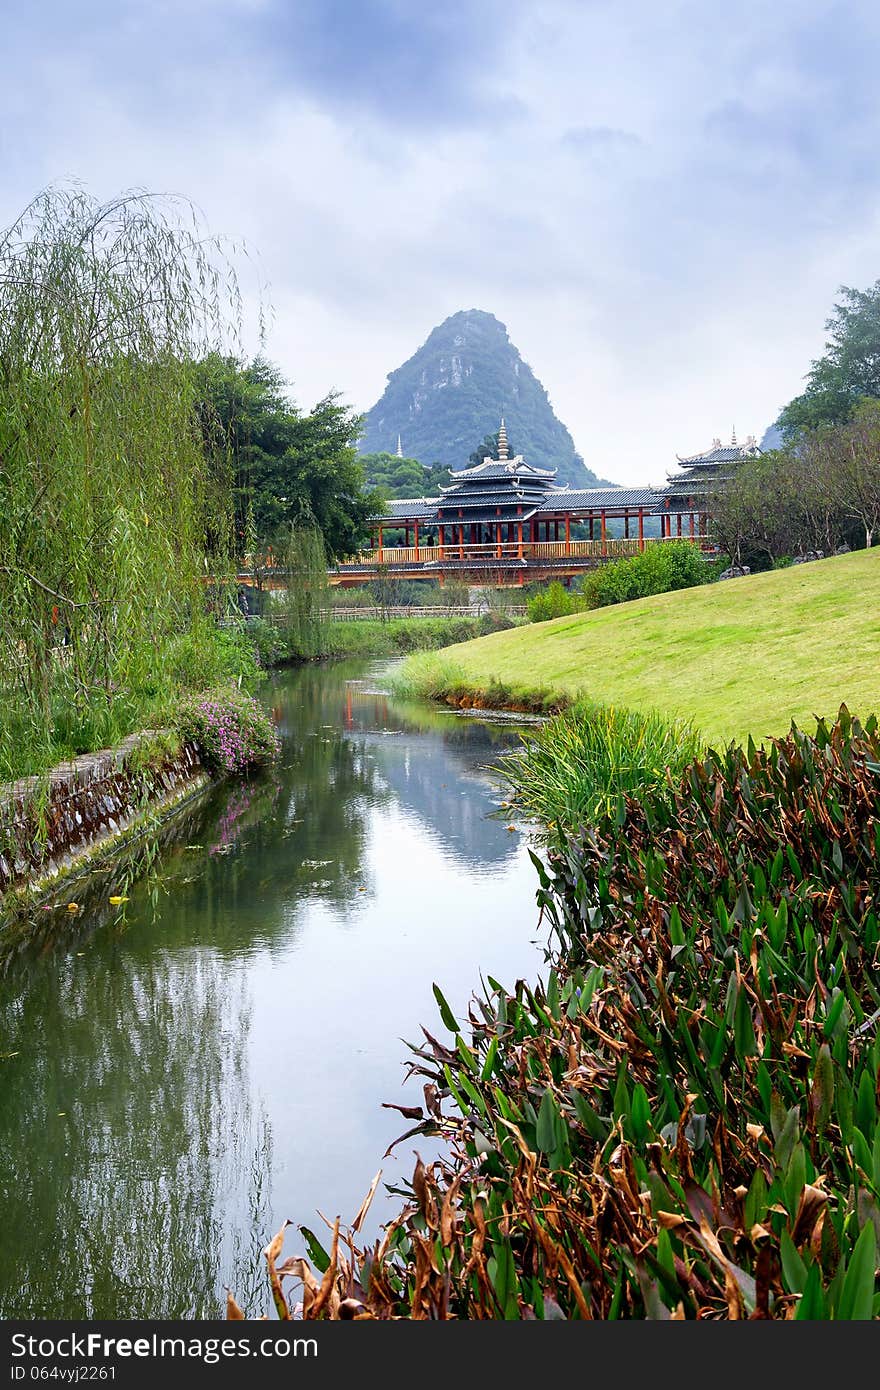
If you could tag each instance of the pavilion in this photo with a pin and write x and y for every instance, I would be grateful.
(505, 521)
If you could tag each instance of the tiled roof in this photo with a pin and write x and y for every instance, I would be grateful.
(408, 509)
(732, 453)
(491, 468)
(601, 499)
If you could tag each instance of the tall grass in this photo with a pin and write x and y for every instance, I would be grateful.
(586, 761)
(433, 676)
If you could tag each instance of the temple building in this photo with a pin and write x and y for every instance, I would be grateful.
(690, 487)
(505, 521)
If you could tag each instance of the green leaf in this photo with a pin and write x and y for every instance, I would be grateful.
(857, 1296)
(835, 1010)
(317, 1254)
(676, 932)
(866, 1104)
(793, 1268)
(822, 1093)
(489, 1063)
(548, 1120)
(812, 1305)
(787, 1137)
(640, 1114)
(743, 1031)
(445, 1012)
(588, 1117)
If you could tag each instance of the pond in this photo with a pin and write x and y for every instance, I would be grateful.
(180, 1074)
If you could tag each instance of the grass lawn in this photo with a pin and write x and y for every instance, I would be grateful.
(740, 657)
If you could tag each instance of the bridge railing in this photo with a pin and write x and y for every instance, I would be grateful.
(612, 547)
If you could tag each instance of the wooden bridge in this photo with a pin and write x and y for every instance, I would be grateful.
(495, 564)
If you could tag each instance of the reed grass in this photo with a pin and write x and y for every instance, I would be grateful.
(586, 761)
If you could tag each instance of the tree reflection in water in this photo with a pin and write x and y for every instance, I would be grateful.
(135, 1156)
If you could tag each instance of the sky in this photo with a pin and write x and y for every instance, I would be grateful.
(659, 198)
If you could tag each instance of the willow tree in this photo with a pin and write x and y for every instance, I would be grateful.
(103, 486)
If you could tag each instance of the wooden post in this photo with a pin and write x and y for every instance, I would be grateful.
(678, 524)
(520, 540)
(626, 526)
(604, 541)
(417, 541)
(568, 535)
(440, 539)
(461, 540)
(641, 528)
(498, 540)
(380, 545)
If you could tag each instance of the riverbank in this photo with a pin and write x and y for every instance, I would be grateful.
(53, 826)
(732, 659)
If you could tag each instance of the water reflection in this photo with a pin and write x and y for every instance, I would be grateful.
(182, 1076)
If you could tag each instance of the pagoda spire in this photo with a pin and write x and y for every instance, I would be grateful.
(733, 438)
(503, 451)
(399, 448)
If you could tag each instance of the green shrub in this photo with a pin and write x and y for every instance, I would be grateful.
(554, 601)
(211, 656)
(232, 732)
(268, 642)
(656, 570)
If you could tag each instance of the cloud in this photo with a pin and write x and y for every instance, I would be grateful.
(659, 202)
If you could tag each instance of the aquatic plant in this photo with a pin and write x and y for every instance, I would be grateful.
(587, 760)
(682, 1122)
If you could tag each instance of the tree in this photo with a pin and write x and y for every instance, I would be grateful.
(103, 309)
(849, 369)
(288, 468)
(402, 477)
(489, 449)
(845, 459)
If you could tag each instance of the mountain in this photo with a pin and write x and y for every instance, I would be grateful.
(771, 438)
(453, 392)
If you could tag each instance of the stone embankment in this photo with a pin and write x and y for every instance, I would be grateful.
(50, 825)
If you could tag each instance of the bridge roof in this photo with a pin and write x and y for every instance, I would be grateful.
(601, 499)
(495, 468)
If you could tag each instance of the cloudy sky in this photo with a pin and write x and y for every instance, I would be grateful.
(659, 198)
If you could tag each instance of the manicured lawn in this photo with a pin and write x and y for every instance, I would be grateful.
(739, 657)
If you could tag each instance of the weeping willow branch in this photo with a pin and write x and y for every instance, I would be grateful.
(105, 492)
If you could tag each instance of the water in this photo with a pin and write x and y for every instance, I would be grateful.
(180, 1075)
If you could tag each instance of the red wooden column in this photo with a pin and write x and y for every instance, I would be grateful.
(417, 540)
(678, 524)
(498, 540)
(626, 526)
(691, 521)
(519, 539)
(460, 541)
(440, 539)
(568, 535)
(380, 545)
(604, 541)
(641, 528)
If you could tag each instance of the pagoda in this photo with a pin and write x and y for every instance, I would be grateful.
(698, 476)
